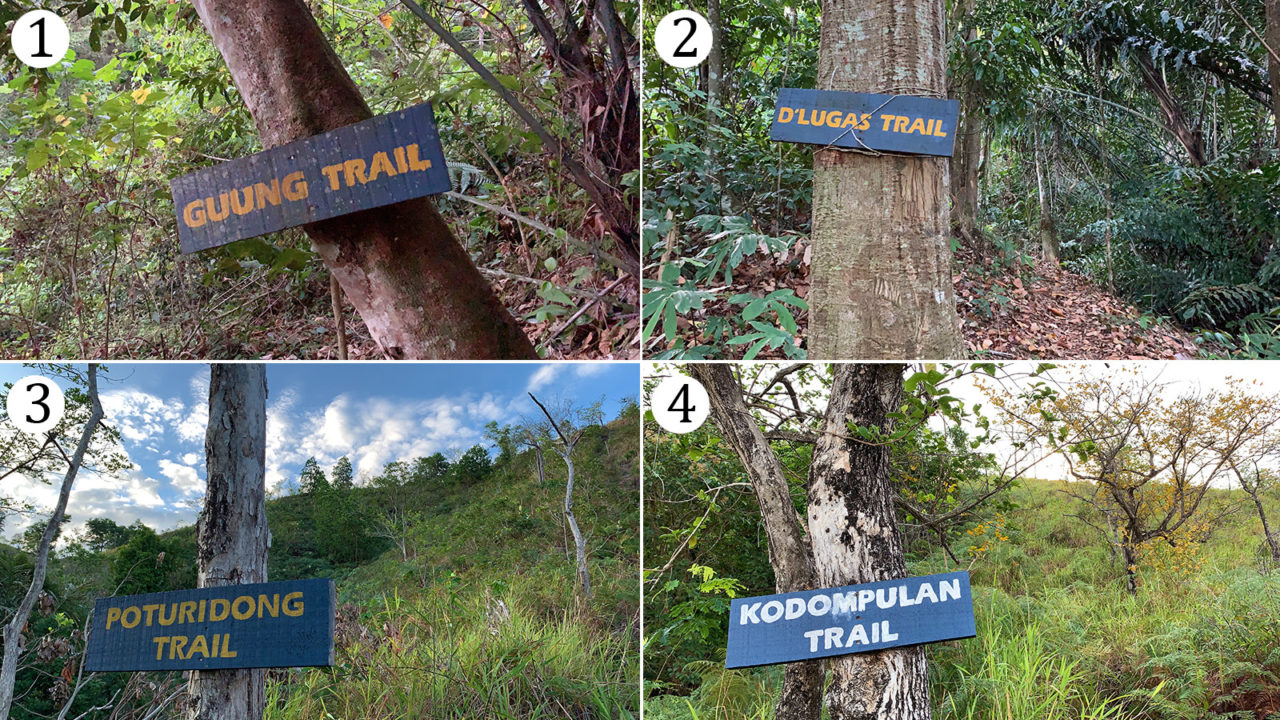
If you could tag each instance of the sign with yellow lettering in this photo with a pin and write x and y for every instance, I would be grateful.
(891, 123)
(383, 160)
(279, 624)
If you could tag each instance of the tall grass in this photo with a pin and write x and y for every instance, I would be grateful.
(1060, 639)
(450, 653)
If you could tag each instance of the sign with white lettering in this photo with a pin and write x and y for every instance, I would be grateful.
(894, 123)
(383, 160)
(280, 624)
(856, 618)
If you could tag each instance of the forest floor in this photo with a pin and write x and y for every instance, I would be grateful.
(1054, 313)
(1044, 312)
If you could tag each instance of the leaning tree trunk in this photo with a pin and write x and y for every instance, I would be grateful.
(1273, 541)
(232, 535)
(855, 540)
(882, 284)
(789, 554)
(412, 283)
(11, 633)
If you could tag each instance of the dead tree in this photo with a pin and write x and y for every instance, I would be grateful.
(567, 443)
(232, 535)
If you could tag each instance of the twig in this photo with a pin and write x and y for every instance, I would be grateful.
(585, 306)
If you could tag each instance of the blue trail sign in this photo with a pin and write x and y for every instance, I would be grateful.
(893, 123)
(857, 618)
(376, 162)
(280, 624)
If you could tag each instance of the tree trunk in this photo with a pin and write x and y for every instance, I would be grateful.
(12, 633)
(1272, 541)
(1273, 61)
(1130, 552)
(789, 554)
(412, 283)
(580, 543)
(1175, 119)
(882, 284)
(715, 61)
(601, 92)
(542, 477)
(854, 532)
(231, 534)
(1048, 232)
(964, 181)
(968, 158)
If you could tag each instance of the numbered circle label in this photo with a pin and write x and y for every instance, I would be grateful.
(35, 404)
(40, 38)
(683, 39)
(680, 404)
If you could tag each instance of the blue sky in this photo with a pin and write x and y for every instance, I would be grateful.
(372, 413)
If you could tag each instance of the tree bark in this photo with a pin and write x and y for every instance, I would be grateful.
(1130, 552)
(412, 283)
(967, 162)
(12, 632)
(579, 543)
(1048, 232)
(789, 553)
(882, 285)
(854, 532)
(1175, 118)
(231, 534)
(1272, 541)
(1273, 61)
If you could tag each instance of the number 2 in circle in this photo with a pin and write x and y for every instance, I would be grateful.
(41, 53)
(681, 52)
(685, 409)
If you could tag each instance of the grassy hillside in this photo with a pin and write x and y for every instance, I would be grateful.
(477, 616)
(1059, 638)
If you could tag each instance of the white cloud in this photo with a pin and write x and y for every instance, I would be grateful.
(543, 377)
(138, 415)
(589, 369)
(183, 478)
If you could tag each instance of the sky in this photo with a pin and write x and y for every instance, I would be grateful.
(373, 413)
(1177, 376)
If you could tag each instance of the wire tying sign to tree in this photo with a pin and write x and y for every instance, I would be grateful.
(857, 618)
(893, 123)
(280, 624)
(383, 160)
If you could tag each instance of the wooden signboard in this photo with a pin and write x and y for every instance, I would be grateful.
(377, 162)
(891, 123)
(279, 624)
(856, 618)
